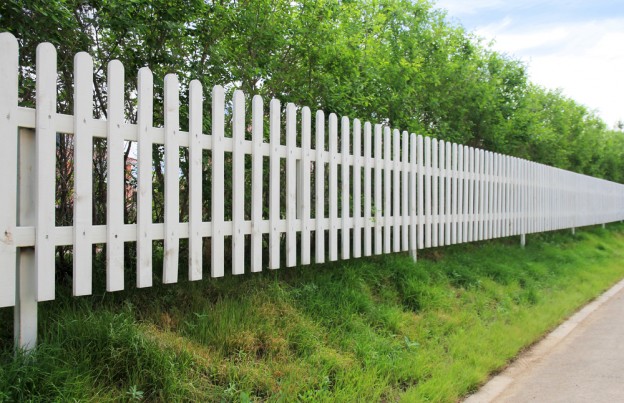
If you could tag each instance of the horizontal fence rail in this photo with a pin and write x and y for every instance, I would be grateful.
(352, 189)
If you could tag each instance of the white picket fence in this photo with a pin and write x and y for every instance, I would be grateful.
(399, 191)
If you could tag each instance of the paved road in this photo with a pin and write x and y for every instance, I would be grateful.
(581, 361)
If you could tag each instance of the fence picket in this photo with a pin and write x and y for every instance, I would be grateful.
(238, 182)
(306, 225)
(378, 191)
(333, 187)
(421, 191)
(195, 180)
(448, 178)
(357, 189)
(83, 178)
(435, 195)
(441, 188)
(145, 110)
(319, 200)
(461, 192)
(428, 180)
(405, 168)
(368, 166)
(413, 198)
(454, 193)
(345, 196)
(387, 206)
(291, 185)
(257, 179)
(218, 185)
(115, 178)
(172, 179)
(9, 73)
(396, 191)
(46, 160)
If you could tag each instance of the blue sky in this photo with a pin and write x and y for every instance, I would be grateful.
(574, 45)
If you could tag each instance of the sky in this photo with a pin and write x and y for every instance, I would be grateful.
(574, 45)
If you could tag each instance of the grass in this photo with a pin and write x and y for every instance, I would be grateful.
(375, 329)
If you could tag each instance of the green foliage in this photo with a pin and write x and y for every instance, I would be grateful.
(399, 62)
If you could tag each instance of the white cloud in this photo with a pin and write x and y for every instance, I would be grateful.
(584, 59)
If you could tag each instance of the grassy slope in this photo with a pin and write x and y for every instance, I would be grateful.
(370, 329)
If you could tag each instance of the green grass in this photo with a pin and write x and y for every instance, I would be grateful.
(376, 329)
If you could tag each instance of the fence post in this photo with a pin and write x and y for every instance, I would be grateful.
(573, 231)
(522, 240)
(25, 311)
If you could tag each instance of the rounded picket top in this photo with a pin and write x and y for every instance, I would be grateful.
(145, 76)
(195, 86)
(8, 43)
(218, 90)
(83, 59)
(115, 67)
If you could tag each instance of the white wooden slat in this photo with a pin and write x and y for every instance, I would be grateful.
(420, 185)
(218, 185)
(333, 187)
(517, 192)
(46, 168)
(502, 189)
(172, 179)
(306, 153)
(378, 191)
(479, 194)
(387, 206)
(435, 192)
(368, 166)
(441, 187)
(495, 196)
(145, 111)
(319, 199)
(505, 178)
(195, 180)
(483, 232)
(513, 199)
(413, 198)
(291, 185)
(345, 193)
(491, 200)
(522, 194)
(478, 222)
(257, 179)
(487, 205)
(357, 189)
(448, 177)
(454, 192)
(404, 192)
(238, 183)
(8, 155)
(83, 173)
(461, 192)
(510, 228)
(470, 229)
(396, 191)
(526, 197)
(115, 178)
(428, 202)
